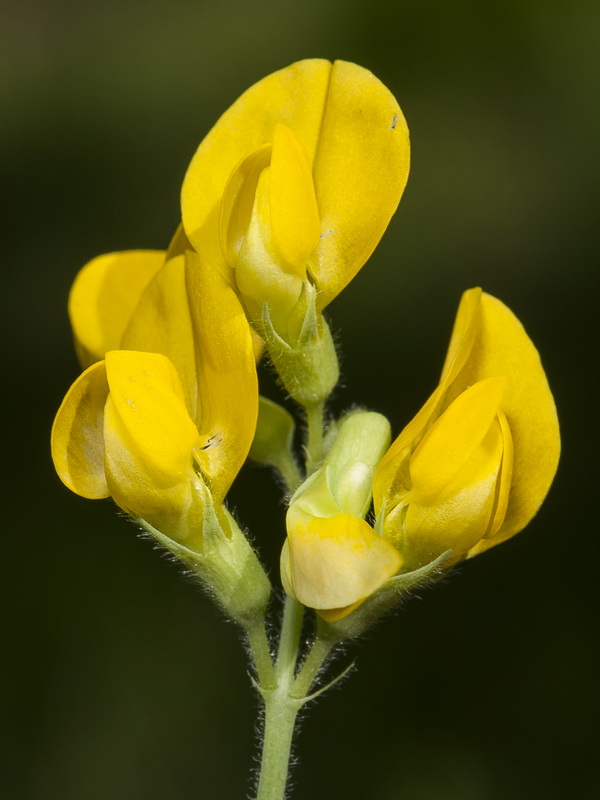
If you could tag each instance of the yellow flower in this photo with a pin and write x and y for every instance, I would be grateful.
(468, 472)
(124, 431)
(332, 559)
(189, 314)
(299, 177)
(473, 466)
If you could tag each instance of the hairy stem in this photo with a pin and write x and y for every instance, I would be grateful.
(310, 668)
(280, 708)
(261, 654)
(314, 438)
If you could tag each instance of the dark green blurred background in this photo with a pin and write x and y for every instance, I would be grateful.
(122, 682)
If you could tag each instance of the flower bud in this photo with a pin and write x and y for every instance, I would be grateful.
(332, 559)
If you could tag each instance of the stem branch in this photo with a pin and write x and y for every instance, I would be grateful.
(314, 439)
(310, 669)
(261, 654)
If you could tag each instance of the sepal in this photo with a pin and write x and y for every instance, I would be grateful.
(227, 566)
(308, 366)
(391, 594)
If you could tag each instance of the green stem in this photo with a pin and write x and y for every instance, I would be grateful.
(261, 653)
(286, 464)
(283, 702)
(280, 708)
(314, 440)
(280, 719)
(321, 648)
(287, 652)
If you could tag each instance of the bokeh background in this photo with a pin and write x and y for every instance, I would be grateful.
(121, 680)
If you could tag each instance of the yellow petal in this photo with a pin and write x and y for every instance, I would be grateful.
(502, 347)
(103, 297)
(161, 323)
(238, 200)
(258, 273)
(178, 244)
(77, 435)
(226, 369)
(504, 479)
(391, 478)
(294, 213)
(357, 143)
(141, 489)
(451, 441)
(360, 170)
(294, 96)
(458, 518)
(392, 475)
(463, 335)
(148, 398)
(337, 562)
(286, 570)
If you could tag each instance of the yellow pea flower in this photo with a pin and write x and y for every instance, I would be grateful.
(473, 466)
(166, 432)
(123, 430)
(188, 313)
(332, 559)
(300, 176)
(174, 304)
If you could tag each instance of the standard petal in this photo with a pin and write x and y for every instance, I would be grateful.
(104, 295)
(294, 96)
(391, 478)
(226, 369)
(463, 335)
(178, 244)
(502, 347)
(360, 171)
(77, 435)
(337, 562)
(161, 323)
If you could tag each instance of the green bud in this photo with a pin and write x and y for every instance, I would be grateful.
(344, 482)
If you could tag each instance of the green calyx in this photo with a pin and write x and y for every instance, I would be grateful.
(383, 600)
(227, 566)
(307, 365)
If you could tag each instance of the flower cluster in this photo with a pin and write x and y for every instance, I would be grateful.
(283, 202)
